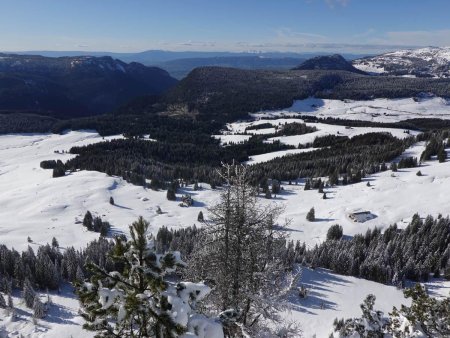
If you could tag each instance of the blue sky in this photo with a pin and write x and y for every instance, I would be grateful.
(232, 25)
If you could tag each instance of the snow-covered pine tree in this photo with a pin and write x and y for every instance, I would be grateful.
(38, 308)
(80, 274)
(137, 300)
(426, 317)
(237, 250)
(10, 307)
(371, 324)
(28, 293)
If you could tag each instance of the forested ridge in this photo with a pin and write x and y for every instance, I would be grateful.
(227, 94)
(216, 95)
(137, 160)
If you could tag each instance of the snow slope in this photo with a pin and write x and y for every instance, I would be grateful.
(51, 207)
(62, 320)
(270, 156)
(393, 199)
(377, 110)
(334, 296)
(429, 61)
(35, 204)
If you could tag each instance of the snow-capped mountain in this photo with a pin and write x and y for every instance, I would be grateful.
(423, 62)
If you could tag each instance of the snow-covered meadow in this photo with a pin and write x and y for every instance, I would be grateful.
(54, 207)
(377, 110)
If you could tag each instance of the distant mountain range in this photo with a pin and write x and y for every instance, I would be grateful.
(74, 86)
(228, 87)
(423, 62)
(179, 64)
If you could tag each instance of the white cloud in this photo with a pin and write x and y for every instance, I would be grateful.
(287, 34)
(191, 43)
(417, 38)
(365, 34)
(334, 3)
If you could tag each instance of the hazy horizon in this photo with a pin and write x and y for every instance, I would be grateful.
(301, 26)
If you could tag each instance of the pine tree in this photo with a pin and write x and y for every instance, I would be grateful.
(38, 308)
(59, 171)
(426, 317)
(334, 232)
(393, 166)
(238, 251)
(442, 155)
(137, 300)
(3, 304)
(97, 224)
(10, 302)
(28, 293)
(88, 221)
(311, 215)
(111, 200)
(321, 186)
(55, 243)
(307, 185)
(80, 274)
(10, 307)
(334, 178)
(171, 196)
(275, 187)
(371, 324)
(426, 314)
(104, 228)
(200, 217)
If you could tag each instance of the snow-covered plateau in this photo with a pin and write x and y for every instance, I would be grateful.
(377, 110)
(38, 206)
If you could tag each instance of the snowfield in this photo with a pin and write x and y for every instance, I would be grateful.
(36, 205)
(329, 129)
(54, 207)
(275, 154)
(391, 197)
(62, 320)
(335, 296)
(378, 110)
